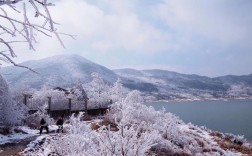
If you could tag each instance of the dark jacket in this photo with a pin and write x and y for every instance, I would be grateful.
(60, 122)
(42, 122)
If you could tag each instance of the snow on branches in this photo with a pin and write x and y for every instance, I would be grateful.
(140, 131)
(17, 25)
(11, 112)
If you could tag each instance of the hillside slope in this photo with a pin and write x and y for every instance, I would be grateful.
(171, 85)
(62, 70)
(66, 70)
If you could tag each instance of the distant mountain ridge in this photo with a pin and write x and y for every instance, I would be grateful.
(172, 85)
(61, 70)
(65, 70)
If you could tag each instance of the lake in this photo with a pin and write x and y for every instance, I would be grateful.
(233, 116)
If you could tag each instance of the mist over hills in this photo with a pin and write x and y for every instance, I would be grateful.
(66, 70)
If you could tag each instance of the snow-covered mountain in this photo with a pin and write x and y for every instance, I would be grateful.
(171, 85)
(66, 70)
(62, 70)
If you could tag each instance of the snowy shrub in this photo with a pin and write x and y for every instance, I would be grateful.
(79, 141)
(77, 126)
(129, 140)
(237, 139)
(130, 111)
(77, 145)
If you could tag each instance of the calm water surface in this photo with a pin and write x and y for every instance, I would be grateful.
(225, 116)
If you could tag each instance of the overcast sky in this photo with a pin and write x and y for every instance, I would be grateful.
(205, 37)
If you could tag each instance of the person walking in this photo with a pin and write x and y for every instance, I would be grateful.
(59, 123)
(43, 124)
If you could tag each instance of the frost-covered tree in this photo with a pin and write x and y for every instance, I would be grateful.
(97, 91)
(21, 22)
(12, 112)
(80, 95)
(117, 91)
(130, 111)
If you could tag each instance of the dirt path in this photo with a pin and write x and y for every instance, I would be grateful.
(14, 148)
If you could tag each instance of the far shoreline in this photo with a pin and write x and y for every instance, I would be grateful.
(191, 102)
(201, 99)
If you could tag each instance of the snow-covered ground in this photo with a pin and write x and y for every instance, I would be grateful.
(25, 132)
(131, 128)
(13, 138)
(45, 144)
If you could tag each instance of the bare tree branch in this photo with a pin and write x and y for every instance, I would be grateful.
(25, 29)
(12, 62)
(9, 47)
